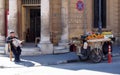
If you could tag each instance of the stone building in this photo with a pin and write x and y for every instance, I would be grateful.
(55, 22)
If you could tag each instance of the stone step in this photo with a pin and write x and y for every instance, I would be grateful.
(30, 51)
(2, 50)
(2, 41)
(33, 51)
(60, 49)
(2, 44)
(63, 44)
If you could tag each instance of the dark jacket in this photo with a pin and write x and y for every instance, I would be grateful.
(13, 48)
(9, 40)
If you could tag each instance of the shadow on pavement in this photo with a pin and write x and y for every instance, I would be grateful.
(25, 63)
(54, 60)
(45, 60)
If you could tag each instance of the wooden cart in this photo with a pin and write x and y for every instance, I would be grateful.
(94, 50)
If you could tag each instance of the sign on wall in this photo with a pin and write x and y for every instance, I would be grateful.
(80, 5)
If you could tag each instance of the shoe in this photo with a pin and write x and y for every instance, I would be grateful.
(16, 60)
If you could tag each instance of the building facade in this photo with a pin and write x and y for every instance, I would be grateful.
(55, 22)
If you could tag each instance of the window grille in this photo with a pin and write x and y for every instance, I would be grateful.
(30, 1)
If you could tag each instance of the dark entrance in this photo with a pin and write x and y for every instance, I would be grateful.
(34, 29)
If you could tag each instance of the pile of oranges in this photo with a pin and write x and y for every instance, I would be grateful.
(95, 36)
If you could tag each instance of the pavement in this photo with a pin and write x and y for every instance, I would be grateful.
(41, 60)
(77, 68)
(44, 60)
(116, 50)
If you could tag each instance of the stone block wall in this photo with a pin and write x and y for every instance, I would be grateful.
(112, 16)
(55, 20)
(77, 19)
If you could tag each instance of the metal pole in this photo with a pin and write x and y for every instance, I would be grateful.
(85, 17)
(100, 18)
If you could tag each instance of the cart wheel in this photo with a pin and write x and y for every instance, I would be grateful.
(83, 58)
(96, 55)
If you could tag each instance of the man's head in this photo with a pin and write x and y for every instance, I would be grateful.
(12, 34)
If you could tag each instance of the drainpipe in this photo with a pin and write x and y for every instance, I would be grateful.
(85, 17)
(100, 18)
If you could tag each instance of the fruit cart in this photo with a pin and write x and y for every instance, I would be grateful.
(96, 45)
(92, 47)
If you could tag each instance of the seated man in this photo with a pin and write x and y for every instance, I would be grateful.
(16, 50)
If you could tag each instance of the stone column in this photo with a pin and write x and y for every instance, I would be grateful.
(64, 20)
(2, 22)
(12, 19)
(45, 44)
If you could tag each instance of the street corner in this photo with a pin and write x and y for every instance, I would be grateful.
(41, 60)
(6, 63)
(51, 59)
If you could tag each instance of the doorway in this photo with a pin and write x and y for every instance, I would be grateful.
(33, 25)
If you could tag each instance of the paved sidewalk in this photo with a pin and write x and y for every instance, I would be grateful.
(116, 50)
(44, 60)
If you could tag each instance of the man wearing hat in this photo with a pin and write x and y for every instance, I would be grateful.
(15, 49)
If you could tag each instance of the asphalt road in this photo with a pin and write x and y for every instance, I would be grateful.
(75, 68)
(104, 66)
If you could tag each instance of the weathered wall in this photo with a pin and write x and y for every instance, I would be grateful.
(13, 16)
(2, 22)
(77, 20)
(112, 16)
(55, 20)
(2, 17)
(119, 17)
(118, 22)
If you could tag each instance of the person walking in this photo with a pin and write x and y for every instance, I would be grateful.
(15, 48)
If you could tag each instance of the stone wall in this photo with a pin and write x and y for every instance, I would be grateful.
(13, 16)
(2, 22)
(112, 16)
(118, 22)
(119, 17)
(55, 20)
(77, 19)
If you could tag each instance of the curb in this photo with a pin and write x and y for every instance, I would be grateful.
(48, 64)
(53, 63)
(115, 54)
